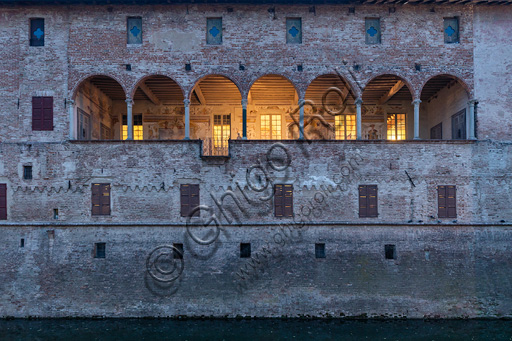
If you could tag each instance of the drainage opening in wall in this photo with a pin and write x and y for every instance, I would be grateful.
(99, 250)
(245, 250)
(22, 242)
(390, 251)
(319, 250)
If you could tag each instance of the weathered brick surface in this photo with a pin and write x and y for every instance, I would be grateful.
(444, 267)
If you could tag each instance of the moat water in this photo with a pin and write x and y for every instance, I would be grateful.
(132, 329)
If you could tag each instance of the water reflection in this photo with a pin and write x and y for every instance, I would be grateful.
(265, 329)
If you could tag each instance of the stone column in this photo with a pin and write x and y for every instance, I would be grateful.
(129, 118)
(471, 119)
(358, 102)
(244, 119)
(186, 102)
(301, 119)
(416, 104)
(72, 123)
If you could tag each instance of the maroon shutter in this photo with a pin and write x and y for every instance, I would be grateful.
(96, 199)
(37, 113)
(441, 202)
(3, 201)
(185, 200)
(451, 202)
(105, 199)
(47, 114)
(278, 200)
(288, 201)
(194, 199)
(372, 201)
(363, 201)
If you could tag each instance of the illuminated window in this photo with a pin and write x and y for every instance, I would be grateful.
(137, 127)
(270, 127)
(396, 126)
(221, 133)
(345, 127)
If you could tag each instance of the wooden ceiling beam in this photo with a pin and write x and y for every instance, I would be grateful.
(147, 91)
(200, 95)
(394, 89)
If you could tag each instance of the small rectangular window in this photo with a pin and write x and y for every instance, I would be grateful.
(436, 132)
(37, 32)
(368, 201)
(3, 201)
(447, 201)
(390, 251)
(177, 250)
(372, 29)
(270, 127)
(189, 196)
(99, 250)
(27, 172)
(451, 30)
(293, 30)
(459, 125)
(214, 31)
(319, 250)
(138, 128)
(42, 113)
(134, 30)
(100, 199)
(245, 250)
(283, 200)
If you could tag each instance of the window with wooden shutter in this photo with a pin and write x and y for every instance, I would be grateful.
(372, 29)
(42, 113)
(134, 30)
(37, 32)
(447, 201)
(368, 201)
(189, 196)
(3, 202)
(451, 30)
(214, 31)
(283, 200)
(100, 199)
(294, 31)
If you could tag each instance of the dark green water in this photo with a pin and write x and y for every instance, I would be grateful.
(128, 329)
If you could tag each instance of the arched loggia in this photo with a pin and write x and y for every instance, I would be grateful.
(387, 111)
(93, 109)
(447, 112)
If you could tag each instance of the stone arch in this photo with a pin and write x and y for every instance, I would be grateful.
(297, 89)
(74, 90)
(408, 84)
(198, 80)
(458, 78)
(145, 77)
(353, 88)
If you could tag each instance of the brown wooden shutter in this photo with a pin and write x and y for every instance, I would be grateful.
(105, 199)
(189, 197)
(451, 202)
(42, 113)
(288, 201)
(47, 114)
(363, 201)
(3, 201)
(100, 199)
(372, 201)
(278, 201)
(441, 202)
(37, 113)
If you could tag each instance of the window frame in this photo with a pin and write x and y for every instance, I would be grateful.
(32, 27)
(291, 22)
(395, 126)
(345, 129)
(372, 22)
(280, 200)
(44, 115)
(453, 205)
(210, 23)
(129, 35)
(185, 191)
(100, 199)
(366, 201)
(447, 23)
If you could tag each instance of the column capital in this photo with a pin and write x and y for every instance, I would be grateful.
(70, 101)
(186, 102)
(358, 101)
(472, 101)
(129, 101)
(302, 101)
(244, 103)
(416, 101)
